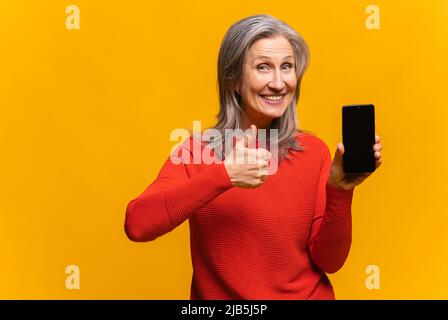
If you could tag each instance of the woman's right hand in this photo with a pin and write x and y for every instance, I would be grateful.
(247, 168)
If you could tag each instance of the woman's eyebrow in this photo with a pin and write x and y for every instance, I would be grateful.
(267, 57)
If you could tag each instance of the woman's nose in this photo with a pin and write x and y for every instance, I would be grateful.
(276, 82)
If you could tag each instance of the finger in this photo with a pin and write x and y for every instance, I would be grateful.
(337, 160)
(377, 138)
(248, 137)
(378, 163)
(267, 155)
(378, 147)
(377, 155)
(254, 129)
(263, 154)
(251, 155)
(264, 177)
(263, 171)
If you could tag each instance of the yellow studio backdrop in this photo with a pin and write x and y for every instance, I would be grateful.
(86, 116)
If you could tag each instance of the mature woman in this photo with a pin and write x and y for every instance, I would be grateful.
(257, 234)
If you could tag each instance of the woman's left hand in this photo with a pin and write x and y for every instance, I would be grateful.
(339, 179)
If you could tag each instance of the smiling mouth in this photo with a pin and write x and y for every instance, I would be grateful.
(273, 99)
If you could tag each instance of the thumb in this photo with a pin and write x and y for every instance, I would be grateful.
(338, 155)
(248, 137)
(252, 136)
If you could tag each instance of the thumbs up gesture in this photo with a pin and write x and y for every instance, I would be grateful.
(247, 167)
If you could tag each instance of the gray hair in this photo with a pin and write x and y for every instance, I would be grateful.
(234, 47)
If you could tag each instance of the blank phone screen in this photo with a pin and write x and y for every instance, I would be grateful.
(358, 134)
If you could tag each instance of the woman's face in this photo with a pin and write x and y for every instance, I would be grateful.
(269, 79)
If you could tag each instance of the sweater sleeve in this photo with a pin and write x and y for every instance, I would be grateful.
(331, 230)
(172, 198)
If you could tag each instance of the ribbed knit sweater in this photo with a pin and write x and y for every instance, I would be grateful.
(276, 241)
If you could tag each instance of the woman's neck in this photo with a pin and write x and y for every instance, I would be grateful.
(260, 121)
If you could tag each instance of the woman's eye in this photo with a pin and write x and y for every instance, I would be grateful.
(264, 67)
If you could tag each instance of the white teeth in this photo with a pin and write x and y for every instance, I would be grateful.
(273, 97)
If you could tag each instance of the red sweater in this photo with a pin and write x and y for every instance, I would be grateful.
(276, 241)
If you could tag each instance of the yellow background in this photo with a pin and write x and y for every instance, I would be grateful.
(86, 116)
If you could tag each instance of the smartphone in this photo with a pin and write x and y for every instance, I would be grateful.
(358, 137)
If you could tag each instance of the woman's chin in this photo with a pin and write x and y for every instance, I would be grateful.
(274, 113)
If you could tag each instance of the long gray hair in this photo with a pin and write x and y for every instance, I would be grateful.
(234, 47)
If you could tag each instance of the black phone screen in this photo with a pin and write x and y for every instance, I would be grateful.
(358, 137)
